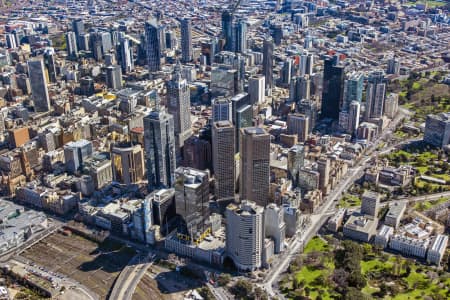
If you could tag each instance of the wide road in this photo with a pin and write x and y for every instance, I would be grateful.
(322, 213)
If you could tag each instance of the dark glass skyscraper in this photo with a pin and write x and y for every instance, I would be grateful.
(152, 36)
(186, 40)
(268, 62)
(333, 86)
(159, 143)
(227, 30)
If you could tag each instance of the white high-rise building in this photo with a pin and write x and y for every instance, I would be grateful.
(375, 95)
(244, 234)
(274, 226)
(256, 86)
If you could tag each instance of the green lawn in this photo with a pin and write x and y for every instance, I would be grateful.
(425, 205)
(349, 200)
(374, 265)
(316, 244)
(431, 4)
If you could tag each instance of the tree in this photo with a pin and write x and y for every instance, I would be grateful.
(242, 289)
(353, 293)
(224, 279)
(206, 293)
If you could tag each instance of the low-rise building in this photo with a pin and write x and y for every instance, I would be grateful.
(437, 249)
(409, 245)
(395, 214)
(383, 235)
(361, 228)
(335, 222)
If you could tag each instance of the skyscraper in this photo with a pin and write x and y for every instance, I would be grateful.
(298, 124)
(268, 62)
(11, 41)
(179, 105)
(244, 234)
(375, 95)
(256, 87)
(223, 144)
(353, 116)
(50, 63)
(333, 83)
(241, 36)
(192, 202)
(227, 30)
(38, 83)
(159, 147)
(353, 89)
(71, 41)
(78, 28)
(114, 77)
(221, 109)
(128, 163)
(186, 40)
(300, 88)
(126, 56)
(255, 165)
(75, 153)
(152, 36)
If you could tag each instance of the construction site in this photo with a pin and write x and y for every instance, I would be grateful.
(94, 265)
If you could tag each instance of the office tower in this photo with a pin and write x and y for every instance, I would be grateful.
(50, 63)
(243, 119)
(309, 64)
(309, 108)
(324, 168)
(38, 81)
(295, 161)
(370, 203)
(300, 88)
(11, 41)
(179, 106)
(393, 66)
(256, 87)
(126, 56)
(391, 105)
(87, 86)
(286, 72)
(437, 130)
(114, 77)
(298, 124)
(241, 37)
(227, 30)
(71, 42)
(353, 89)
(159, 147)
(163, 207)
(303, 57)
(277, 33)
(105, 38)
(152, 36)
(75, 153)
(333, 83)
(221, 109)
(268, 63)
(223, 145)
(353, 116)
(186, 40)
(375, 94)
(191, 202)
(223, 81)
(83, 41)
(197, 153)
(78, 29)
(128, 163)
(244, 234)
(274, 226)
(171, 40)
(255, 165)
